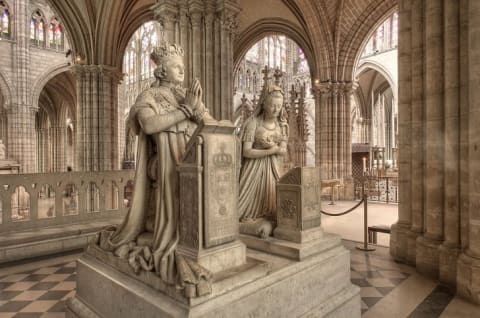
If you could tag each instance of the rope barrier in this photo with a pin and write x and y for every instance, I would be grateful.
(343, 213)
(365, 246)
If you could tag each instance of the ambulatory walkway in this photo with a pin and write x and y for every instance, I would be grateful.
(350, 226)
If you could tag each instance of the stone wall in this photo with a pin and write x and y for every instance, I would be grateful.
(438, 226)
(26, 69)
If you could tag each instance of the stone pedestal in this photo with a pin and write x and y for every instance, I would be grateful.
(448, 257)
(427, 256)
(298, 205)
(208, 199)
(468, 277)
(265, 286)
(411, 246)
(399, 241)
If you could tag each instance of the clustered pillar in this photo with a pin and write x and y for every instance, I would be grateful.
(97, 117)
(438, 229)
(333, 137)
(21, 141)
(205, 29)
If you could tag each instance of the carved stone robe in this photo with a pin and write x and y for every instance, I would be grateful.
(152, 220)
(258, 176)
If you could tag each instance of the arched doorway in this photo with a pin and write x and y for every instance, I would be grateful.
(55, 124)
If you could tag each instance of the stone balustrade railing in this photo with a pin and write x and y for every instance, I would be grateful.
(32, 201)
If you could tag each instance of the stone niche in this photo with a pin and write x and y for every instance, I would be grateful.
(302, 275)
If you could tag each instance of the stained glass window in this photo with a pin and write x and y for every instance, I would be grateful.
(385, 37)
(41, 33)
(283, 57)
(395, 30)
(55, 34)
(252, 54)
(4, 21)
(33, 22)
(37, 29)
(302, 62)
(379, 43)
(271, 52)
(137, 63)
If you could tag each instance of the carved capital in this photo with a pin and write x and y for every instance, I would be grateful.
(337, 88)
(166, 12)
(322, 88)
(196, 18)
(209, 19)
(350, 87)
(227, 12)
(102, 70)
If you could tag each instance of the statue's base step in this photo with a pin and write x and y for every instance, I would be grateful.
(266, 286)
(292, 250)
(218, 258)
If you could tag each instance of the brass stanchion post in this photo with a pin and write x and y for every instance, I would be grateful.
(365, 246)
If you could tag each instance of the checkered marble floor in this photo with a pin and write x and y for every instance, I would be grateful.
(41, 289)
(37, 293)
(374, 282)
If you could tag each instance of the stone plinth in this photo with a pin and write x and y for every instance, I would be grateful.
(265, 286)
(468, 277)
(208, 198)
(427, 256)
(298, 205)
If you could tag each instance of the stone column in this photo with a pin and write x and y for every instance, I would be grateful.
(449, 250)
(20, 113)
(59, 138)
(121, 138)
(208, 85)
(333, 133)
(468, 270)
(341, 131)
(183, 25)
(165, 12)
(349, 90)
(427, 247)
(417, 129)
(196, 12)
(97, 117)
(398, 239)
(322, 142)
(464, 121)
(42, 152)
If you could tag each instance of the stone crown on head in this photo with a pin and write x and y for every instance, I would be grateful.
(165, 50)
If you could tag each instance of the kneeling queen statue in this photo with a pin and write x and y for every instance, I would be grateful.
(164, 117)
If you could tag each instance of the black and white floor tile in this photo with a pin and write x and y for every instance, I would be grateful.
(41, 292)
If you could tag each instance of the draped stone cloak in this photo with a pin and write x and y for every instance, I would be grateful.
(156, 190)
(258, 176)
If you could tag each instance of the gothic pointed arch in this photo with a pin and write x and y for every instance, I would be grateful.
(269, 26)
(43, 79)
(386, 73)
(365, 24)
